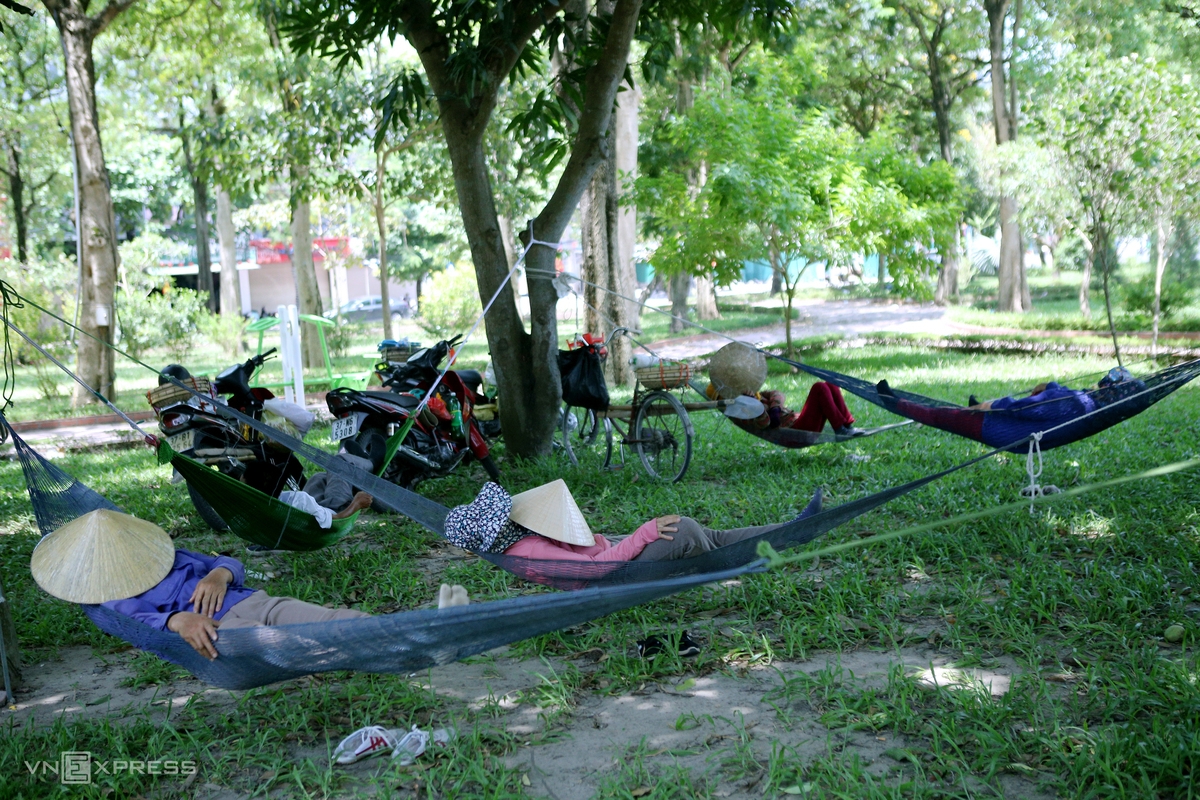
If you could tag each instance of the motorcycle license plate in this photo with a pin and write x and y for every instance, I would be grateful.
(182, 442)
(343, 428)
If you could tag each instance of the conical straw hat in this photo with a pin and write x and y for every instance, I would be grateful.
(103, 555)
(551, 511)
(737, 368)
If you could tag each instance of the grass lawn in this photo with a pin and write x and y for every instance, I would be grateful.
(1070, 605)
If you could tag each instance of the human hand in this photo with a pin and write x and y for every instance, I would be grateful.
(197, 630)
(209, 593)
(667, 524)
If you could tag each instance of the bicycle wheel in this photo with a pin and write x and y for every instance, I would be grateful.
(663, 436)
(579, 429)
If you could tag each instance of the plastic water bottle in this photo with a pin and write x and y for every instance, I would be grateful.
(456, 418)
(643, 360)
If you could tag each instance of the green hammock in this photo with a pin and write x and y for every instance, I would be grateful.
(251, 514)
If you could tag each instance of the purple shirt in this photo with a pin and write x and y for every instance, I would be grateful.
(172, 594)
(1082, 404)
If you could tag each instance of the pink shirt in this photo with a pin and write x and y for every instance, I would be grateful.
(540, 547)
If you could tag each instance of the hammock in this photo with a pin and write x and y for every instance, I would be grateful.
(253, 515)
(394, 643)
(1060, 420)
(575, 574)
(794, 439)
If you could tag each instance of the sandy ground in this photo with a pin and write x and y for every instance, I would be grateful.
(698, 723)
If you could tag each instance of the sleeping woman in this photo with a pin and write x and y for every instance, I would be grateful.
(546, 524)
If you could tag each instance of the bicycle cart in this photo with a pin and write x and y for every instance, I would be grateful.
(655, 424)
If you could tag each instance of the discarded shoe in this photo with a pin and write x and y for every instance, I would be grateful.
(411, 746)
(652, 646)
(365, 742)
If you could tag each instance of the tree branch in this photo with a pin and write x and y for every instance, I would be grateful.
(20, 9)
(98, 23)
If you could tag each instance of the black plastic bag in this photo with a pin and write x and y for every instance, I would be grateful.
(583, 382)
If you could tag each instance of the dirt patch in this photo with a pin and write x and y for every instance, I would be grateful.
(719, 727)
(77, 683)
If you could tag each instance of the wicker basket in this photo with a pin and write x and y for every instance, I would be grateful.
(398, 355)
(665, 375)
(169, 394)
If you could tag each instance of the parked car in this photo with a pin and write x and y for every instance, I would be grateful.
(370, 309)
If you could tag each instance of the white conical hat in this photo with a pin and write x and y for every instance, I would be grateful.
(103, 555)
(551, 511)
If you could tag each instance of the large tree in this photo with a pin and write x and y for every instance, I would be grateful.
(468, 49)
(97, 222)
(945, 32)
(1014, 288)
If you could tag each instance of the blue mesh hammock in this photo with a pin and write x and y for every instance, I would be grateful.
(1062, 420)
(393, 643)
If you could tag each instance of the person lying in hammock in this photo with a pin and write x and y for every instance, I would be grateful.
(1054, 399)
(327, 496)
(202, 593)
(546, 524)
(824, 403)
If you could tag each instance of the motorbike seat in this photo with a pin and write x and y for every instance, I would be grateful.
(402, 400)
(471, 378)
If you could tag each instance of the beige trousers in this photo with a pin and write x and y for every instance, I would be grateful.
(262, 609)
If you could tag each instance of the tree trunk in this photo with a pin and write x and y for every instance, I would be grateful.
(623, 228)
(510, 254)
(1085, 285)
(883, 270)
(677, 290)
(1161, 253)
(1013, 287)
(776, 282)
(385, 291)
(304, 273)
(706, 298)
(204, 275)
(947, 279)
(11, 649)
(593, 228)
(97, 223)
(231, 290)
(16, 195)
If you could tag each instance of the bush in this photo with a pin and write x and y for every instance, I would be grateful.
(450, 304)
(50, 284)
(226, 331)
(341, 337)
(1139, 296)
(156, 320)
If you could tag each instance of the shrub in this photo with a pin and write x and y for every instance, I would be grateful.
(226, 331)
(51, 284)
(450, 304)
(1139, 296)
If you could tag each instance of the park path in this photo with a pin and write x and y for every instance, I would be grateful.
(822, 318)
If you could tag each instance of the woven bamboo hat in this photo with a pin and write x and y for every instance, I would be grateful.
(551, 511)
(737, 369)
(103, 555)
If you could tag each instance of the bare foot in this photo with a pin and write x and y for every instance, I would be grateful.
(361, 500)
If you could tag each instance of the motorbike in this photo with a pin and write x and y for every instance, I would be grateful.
(445, 434)
(194, 427)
